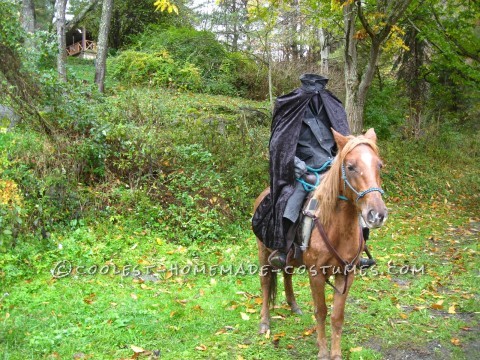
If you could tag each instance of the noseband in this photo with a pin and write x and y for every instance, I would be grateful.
(359, 194)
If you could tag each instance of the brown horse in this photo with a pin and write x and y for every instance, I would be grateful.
(356, 167)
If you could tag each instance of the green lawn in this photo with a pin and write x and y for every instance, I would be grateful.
(191, 310)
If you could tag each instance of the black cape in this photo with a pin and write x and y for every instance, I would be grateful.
(267, 222)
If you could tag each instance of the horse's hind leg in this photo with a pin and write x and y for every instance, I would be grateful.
(287, 277)
(266, 280)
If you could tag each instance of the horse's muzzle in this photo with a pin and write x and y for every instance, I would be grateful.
(375, 218)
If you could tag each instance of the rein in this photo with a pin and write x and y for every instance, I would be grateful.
(359, 194)
(347, 266)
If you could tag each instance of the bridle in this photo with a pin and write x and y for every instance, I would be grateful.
(359, 194)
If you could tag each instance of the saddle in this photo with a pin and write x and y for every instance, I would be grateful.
(298, 236)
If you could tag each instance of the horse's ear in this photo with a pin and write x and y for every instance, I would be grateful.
(370, 134)
(339, 139)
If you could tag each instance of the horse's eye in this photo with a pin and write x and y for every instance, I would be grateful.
(350, 167)
(380, 165)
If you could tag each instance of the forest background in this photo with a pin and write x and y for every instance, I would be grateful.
(151, 155)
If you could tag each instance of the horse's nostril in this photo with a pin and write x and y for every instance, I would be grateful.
(371, 216)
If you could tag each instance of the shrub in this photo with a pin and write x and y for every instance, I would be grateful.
(185, 58)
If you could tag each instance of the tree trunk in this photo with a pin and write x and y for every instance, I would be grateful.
(60, 8)
(100, 63)
(28, 16)
(324, 50)
(356, 89)
(354, 113)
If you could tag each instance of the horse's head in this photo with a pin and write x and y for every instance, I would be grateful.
(360, 169)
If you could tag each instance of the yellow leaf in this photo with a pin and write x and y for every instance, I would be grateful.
(451, 309)
(404, 316)
(356, 349)
(134, 296)
(242, 346)
(251, 311)
(244, 316)
(137, 349)
(201, 347)
(455, 341)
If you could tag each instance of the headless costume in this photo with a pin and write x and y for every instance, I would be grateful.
(300, 129)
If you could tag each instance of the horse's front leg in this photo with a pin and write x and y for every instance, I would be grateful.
(287, 276)
(317, 285)
(338, 313)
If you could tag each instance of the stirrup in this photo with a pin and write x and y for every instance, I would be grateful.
(277, 259)
(366, 263)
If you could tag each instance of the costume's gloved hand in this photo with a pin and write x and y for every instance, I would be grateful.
(300, 168)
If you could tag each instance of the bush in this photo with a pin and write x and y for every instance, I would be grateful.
(184, 58)
(158, 68)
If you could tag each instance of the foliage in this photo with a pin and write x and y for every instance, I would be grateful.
(132, 17)
(184, 57)
(158, 69)
(165, 5)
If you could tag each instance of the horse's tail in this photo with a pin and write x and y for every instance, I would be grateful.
(272, 289)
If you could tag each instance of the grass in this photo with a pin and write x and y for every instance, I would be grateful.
(212, 315)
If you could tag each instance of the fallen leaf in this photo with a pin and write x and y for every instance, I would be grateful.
(356, 349)
(137, 349)
(404, 316)
(242, 346)
(258, 301)
(134, 296)
(455, 341)
(244, 316)
(201, 347)
(309, 331)
(267, 334)
(251, 311)
(451, 309)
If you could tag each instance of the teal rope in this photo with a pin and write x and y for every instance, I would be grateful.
(310, 187)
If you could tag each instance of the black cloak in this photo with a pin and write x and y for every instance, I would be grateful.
(288, 114)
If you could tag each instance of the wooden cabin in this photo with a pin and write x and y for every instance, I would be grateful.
(78, 44)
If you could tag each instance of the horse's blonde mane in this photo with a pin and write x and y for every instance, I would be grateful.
(328, 190)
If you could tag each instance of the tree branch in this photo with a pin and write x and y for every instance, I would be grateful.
(77, 19)
(363, 20)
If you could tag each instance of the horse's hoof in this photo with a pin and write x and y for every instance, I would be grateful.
(297, 311)
(263, 328)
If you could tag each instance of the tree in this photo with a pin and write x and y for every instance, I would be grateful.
(441, 67)
(28, 16)
(60, 9)
(100, 64)
(377, 19)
